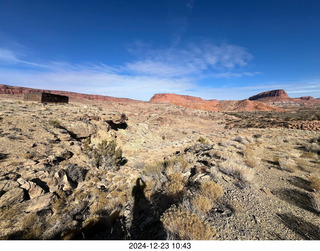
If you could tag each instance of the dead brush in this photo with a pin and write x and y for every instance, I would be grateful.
(211, 190)
(315, 183)
(180, 224)
(175, 186)
(287, 164)
(237, 170)
(201, 204)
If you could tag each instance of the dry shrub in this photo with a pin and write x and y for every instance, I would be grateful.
(59, 203)
(246, 175)
(55, 123)
(175, 185)
(100, 203)
(183, 225)
(201, 204)
(249, 157)
(252, 161)
(177, 164)
(315, 201)
(303, 164)
(309, 155)
(153, 170)
(29, 220)
(314, 183)
(287, 164)
(211, 190)
(237, 170)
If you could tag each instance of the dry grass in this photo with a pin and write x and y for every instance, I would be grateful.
(287, 164)
(59, 203)
(211, 190)
(309, 155)
(315, 201)
(314, 183)
(237, 170)
(100, 203)
(201, 204)
(175, 186)
(183, 225)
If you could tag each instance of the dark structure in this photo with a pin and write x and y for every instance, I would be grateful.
(45, 97)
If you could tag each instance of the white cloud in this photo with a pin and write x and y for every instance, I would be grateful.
(174, 70)
(190, 60)
(8, 56)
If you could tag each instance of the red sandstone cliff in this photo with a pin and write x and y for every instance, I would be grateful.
(211, 105)
(7, 89)
(274, 94)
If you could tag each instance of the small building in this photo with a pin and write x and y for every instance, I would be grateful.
(44, 97)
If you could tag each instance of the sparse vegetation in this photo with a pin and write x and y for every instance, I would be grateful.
(105, 155)
(314, 183)
(55, 123)
(183, 225)
(287, 164)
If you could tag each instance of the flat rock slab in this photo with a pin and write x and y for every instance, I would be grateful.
(12, 197)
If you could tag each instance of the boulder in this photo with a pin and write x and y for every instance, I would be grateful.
(14, 196)
(38, 203)
(6, 185)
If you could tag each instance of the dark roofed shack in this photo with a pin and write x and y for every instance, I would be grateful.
(45, 97)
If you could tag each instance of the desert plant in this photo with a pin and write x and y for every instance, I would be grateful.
(75, 173)
(237, 170)
(287, 164)
(55, 123)
(183, 225)
(211, 190)
(315, 201)
(314, 183)
(105, 155)
(201, 204)
(174, 187)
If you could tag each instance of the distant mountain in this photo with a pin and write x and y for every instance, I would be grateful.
(282, 99)
(211, 105)
(274, 94)
(7, 89)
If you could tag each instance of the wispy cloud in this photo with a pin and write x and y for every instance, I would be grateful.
(155, 70)
(190, 60)
(8, 56)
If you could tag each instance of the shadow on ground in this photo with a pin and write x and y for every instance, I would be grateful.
(296, 198)
(300, 183)
(306, 230)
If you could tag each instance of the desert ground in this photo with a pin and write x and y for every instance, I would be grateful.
(73, 171)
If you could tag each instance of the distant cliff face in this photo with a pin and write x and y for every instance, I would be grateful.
(274, 94)
(7, 89)
(185, 101)
(173, 98)
(211, 105)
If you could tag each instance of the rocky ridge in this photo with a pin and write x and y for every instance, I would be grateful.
(13, 90)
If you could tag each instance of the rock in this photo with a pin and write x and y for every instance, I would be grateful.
(39, 203)
(80, 130)
(35, 191)
(12, 197)
(6, 185)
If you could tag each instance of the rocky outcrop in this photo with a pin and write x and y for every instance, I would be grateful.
(305, 125)
(307, 98)
(274, 94)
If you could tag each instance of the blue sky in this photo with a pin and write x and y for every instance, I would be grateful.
(217, 49)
